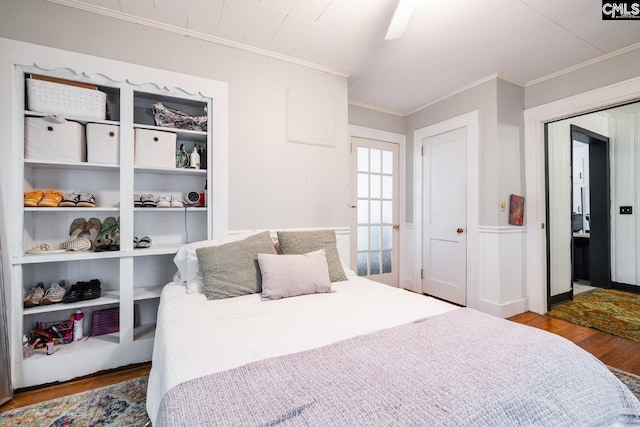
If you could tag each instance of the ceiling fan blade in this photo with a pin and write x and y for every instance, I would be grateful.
(400, 19)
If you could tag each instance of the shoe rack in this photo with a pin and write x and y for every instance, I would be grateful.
(131, 278)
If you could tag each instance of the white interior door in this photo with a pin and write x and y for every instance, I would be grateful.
(444, 259)
(375, 184)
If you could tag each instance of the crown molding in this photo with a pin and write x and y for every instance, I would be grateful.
(376, 108)
(584, 64)
(197, 35)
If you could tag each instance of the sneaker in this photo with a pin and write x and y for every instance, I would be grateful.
(34, 296)
(74, 294)
(92, 290)
(177, 202)
(148, 200)
(55, 293)
(164, 201)
(137, 200)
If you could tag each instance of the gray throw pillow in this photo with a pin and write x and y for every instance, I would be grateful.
(302, 242)
(232, 269)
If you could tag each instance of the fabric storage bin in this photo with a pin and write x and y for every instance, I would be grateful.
(155, 148)
(54, 138)
(103, 143)
(62, 99)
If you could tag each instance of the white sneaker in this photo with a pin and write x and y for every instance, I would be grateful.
(55, 293)
(177, 202)
(164, 201)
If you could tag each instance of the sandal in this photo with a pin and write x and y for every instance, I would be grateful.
(142, 243)
(77, 228)
(86, 200)
(93, 227)
(76, 245)
(32, 198)
(107, 235)
(51, 199)
(70, 200)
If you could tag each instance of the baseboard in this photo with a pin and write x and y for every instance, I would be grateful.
(634, 289)
(505, 310)
(556, 299)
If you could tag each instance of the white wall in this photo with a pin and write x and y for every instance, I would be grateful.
(272, 183)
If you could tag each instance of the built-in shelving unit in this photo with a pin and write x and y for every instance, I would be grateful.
(131, 278)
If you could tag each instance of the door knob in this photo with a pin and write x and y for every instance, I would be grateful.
(396, 226)
(459, 230)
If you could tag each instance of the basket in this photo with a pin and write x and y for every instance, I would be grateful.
(105, 321)
(66, 100)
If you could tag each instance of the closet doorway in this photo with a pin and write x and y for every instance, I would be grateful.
(592, 235)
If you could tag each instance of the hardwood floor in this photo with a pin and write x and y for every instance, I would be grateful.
(613, 351)
(40, 394)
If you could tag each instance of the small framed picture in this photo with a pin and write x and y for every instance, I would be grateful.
(516, 210)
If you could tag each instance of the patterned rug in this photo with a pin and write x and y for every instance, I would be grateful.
(121, 404)
(630, 380)
(608, 310)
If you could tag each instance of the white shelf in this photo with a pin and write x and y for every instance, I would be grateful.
(59, 209)
(176, 171)
(144, 332)
(65, 256)
(148, 292)
(30, 113)
(75, 347)
(44, 164)
(188, 209)
(193, 135)
(108, 297)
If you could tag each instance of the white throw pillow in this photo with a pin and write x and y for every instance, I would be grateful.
(292, 275)
(187, 260)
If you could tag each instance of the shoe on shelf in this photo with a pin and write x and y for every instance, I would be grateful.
(142, 243)
(70, 200)
(74, 294)
(177, 202)
(51, 199)
(137, 200)
(32, 198)
(34, 296)
(148, 200)
(93, 227)
(86, 200)
(55, 293)
(164, 201)
(80, 244)
(77, 228)
(92, 290)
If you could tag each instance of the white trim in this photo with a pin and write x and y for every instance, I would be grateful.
(197, 35)
(471, 121)
(467, 87)
(501, 229)
(401, 140)
(534, 141)
(375, 108)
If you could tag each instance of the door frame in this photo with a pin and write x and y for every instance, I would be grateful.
(471, 121)
(535, 181)
(401, 140)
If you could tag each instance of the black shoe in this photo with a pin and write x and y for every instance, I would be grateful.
(92, 290)
(74, 294)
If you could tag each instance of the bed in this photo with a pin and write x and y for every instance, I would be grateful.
(363, 353)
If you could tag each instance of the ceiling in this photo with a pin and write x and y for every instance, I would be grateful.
(448, 44)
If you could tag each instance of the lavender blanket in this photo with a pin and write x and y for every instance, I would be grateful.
(462, 368)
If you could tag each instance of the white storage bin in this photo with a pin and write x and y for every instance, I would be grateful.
(54, 138)
(66, 100)
(103, 143)
(155, 148)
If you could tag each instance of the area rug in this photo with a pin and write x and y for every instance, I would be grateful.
(121, 404)
(630, 380)
(608, 310)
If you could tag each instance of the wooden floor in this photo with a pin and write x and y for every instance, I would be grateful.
(613, 351)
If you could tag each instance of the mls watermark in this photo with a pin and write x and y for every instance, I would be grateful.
(620, 10)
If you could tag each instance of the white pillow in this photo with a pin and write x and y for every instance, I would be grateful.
(292, 275)
(187, 260)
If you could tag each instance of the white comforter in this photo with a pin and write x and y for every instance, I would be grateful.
(195, 336)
